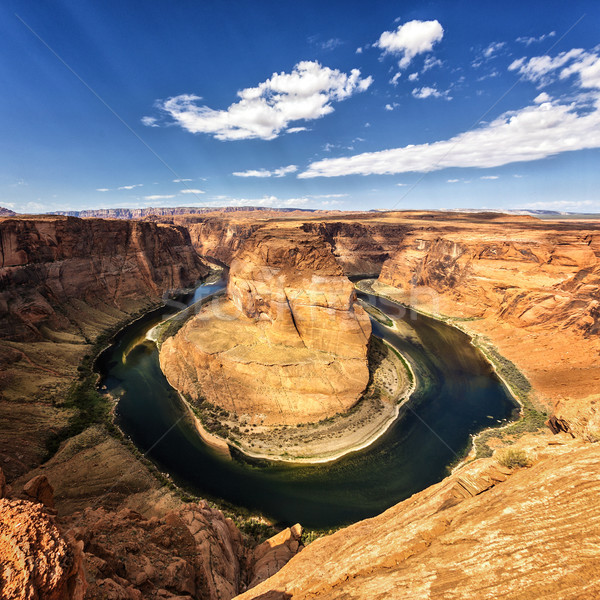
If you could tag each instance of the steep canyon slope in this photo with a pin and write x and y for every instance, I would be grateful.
(64, 281)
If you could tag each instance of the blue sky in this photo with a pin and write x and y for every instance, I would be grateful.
(333, 105)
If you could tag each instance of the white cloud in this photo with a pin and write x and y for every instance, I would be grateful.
(410, 39)
(539, 69)
(188, 191)
(430, 92)
(402, 184)
(102, 190)
(296, 129)
(281, 172)
(493, 49)
(266, 110)
(541, 98)
(130, 187)
(150, 121)
(359, 50)
(531, 40)
(490, 177)
(395, 78)
(532, 133)
(180, 180)
(272, 201)
(389, 107)
(329, 195)
(159, 197)
(453, 180)
(572, 205)
(413, 76)
(431, 62)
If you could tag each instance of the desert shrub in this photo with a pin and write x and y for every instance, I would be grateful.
(514, 459)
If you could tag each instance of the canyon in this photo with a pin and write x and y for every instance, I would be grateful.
(526, 290)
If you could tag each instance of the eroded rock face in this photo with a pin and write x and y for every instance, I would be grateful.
(50, 263)
(530, 288)
(286, 345)
(38, 561)
(481, 533)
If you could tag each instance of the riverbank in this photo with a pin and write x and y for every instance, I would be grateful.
(516, 384)
(391, 385)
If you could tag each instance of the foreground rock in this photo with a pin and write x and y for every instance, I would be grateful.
(482, 533)
(38, 559)
(286, 345)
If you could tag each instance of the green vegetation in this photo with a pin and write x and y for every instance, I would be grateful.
(514, 459)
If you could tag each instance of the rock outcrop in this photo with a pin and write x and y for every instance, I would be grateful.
(481, 533)
(287, 345)
(38, 559)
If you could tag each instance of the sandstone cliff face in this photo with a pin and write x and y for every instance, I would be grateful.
(531, 289)
(287, 344)
(47, 263)
(482, 533)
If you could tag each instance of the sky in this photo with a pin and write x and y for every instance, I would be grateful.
(347, 105)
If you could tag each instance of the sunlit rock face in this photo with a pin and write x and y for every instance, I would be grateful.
(287, 344)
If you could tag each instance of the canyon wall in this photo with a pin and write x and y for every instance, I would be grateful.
(49, 263)
(528, 288)
(286, 345)
(63, 282)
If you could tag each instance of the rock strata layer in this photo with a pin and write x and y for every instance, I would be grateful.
(481, 533)
(288, 344)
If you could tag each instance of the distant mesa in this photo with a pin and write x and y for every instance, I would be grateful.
(144, 213)
(6, 212)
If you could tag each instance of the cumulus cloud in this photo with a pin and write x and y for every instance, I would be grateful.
(394, 80)
(281, 172)
(272, 201)
(541, 69)
(430, 92)
(541, 98)
(159, 197)
(150, 121)
(532, 133)
(266, 110)
(188, 191)
(410, 39)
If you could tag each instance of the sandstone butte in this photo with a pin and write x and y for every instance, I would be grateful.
(286, 345)
(527, 287)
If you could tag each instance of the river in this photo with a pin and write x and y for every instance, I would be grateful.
(458, 394)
